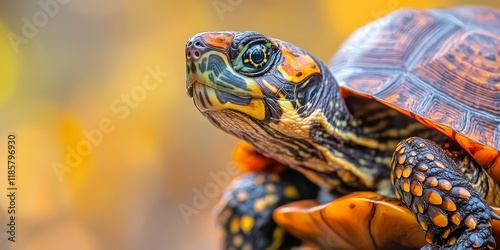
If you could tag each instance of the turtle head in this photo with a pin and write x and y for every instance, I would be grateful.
(263, 90)
(250, 73)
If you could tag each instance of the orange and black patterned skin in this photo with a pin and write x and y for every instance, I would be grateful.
(410, 102)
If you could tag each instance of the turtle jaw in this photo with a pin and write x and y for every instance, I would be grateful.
(208, 99)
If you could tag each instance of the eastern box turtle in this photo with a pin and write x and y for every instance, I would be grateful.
(401, 132)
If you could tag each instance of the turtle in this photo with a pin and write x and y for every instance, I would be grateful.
(399, 134)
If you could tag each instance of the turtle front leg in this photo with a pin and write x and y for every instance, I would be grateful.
(451, 213)
(244, 213)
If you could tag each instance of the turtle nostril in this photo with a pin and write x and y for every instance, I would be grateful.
(195, 48)
(192, 54)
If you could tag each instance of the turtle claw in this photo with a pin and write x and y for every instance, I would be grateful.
(472, 241)
(495, 216)
(479, 239)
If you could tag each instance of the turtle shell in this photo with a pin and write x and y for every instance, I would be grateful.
(441, 67)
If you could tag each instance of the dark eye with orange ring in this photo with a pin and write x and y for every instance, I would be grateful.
(256, 56)
(255, 59)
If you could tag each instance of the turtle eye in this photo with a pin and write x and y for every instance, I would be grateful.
(255, 59)
(256, 56)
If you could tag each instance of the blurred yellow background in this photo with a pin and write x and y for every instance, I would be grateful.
(108, 143)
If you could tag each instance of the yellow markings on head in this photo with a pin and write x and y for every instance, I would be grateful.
(291, 192)
(255, 88)
(297, 65)
(269, 86)
(247, 223)
(205, 87)
(255, 108)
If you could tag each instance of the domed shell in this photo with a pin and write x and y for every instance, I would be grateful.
(441, 67)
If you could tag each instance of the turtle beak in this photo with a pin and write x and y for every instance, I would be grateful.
(196, 47)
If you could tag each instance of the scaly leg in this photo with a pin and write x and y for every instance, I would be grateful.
(244, 213)
(451, 213)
